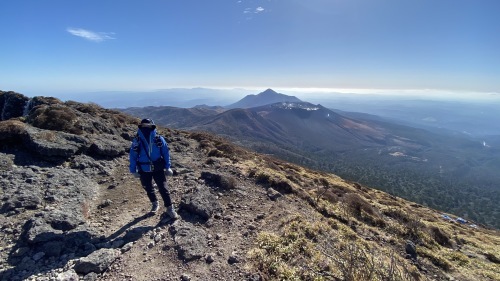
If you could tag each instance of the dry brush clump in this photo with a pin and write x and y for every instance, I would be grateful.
(55, 117)
(269, 178)
(219, 181)
(216, 146)
(320, 250)
(12, 131)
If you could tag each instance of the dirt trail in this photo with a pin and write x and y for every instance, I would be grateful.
(246, 211)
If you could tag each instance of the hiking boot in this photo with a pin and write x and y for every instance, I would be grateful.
(171, 212)
(155, 207)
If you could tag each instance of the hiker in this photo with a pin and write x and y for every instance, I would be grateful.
(150, 159)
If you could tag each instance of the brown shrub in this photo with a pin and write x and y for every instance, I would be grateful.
(89, 108)
(11, 130)
(441, 237)
(356, 204)
(54, 118)
(281, 185)
(330, 196)
(215, 153)
(219, 181)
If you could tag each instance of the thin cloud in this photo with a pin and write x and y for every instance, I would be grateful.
(257, 10)
(91, 35)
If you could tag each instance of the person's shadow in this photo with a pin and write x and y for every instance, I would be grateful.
(70, 245)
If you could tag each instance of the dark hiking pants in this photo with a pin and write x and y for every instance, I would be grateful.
(161, 182)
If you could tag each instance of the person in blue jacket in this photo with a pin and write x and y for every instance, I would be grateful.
(150, 159)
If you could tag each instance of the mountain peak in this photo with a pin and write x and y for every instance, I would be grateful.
(269, 92)
(269, 96)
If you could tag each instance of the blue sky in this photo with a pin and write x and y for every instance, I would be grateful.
(97, 45)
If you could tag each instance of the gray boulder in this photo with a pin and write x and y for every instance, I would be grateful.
(22, 199)
(109, 145)
(190, 241)
(96, 262)
(201, 202)
(39, 231)
(64, 219)
(54, 143)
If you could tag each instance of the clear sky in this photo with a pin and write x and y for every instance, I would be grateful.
(94, 45)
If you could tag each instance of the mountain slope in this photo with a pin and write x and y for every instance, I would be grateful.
(267, 97)
(176, 117)
(438, 169)
(302, 125)
(244, 216)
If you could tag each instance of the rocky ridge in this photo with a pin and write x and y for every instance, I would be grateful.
(71, 211)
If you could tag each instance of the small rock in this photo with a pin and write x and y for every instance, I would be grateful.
(210, 258)
(411, 250)
(185, 277)
(69, 275)
(273, 194)
(20, 251)
(157, 238)
(106, 203)
(233, 258)
(260, 216)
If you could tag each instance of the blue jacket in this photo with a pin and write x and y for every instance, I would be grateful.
(147, 143)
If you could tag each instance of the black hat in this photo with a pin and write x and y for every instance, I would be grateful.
(147, 123)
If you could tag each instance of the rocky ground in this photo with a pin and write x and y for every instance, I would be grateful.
(96, 209)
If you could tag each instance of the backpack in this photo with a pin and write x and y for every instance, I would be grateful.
(157, 164)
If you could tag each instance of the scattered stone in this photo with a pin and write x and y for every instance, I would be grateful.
(234, 258)
(69, 275)
(92, 276)
(105, 204)
(210, 258)
(185, 277)
(127, 247)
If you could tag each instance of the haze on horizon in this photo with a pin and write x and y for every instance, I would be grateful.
(401, 47)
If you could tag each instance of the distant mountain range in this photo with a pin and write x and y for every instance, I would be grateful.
(436, 169)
